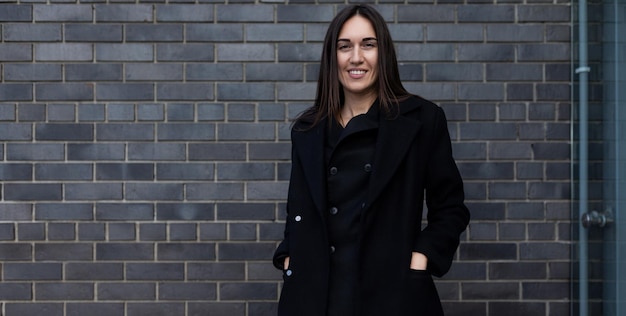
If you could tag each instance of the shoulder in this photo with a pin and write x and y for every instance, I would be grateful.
(415, 103)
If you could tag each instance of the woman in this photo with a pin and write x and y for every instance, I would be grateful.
(364, 158)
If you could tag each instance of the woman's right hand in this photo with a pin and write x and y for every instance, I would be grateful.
(286, 263)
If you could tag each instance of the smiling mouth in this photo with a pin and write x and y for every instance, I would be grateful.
(357, 72)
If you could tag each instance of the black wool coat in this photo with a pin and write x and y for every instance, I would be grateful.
(412, 162)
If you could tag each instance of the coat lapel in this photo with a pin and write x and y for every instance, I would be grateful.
(394, 139)
(310, 149)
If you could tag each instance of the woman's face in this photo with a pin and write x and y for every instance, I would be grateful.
(357, 56)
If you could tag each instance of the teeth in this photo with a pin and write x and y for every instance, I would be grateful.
(357, 72)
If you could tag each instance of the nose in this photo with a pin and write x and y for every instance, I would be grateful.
(357, 55)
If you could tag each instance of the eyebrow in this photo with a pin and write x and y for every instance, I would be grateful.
(364, 39)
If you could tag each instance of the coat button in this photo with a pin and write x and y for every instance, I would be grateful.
(334, 210)
(333, 171)
(298, 218)
(332, 249)
(367, 167)
(288, 273)
(363, 205)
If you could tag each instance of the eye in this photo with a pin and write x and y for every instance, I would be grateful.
(344, 46)
(369, 44)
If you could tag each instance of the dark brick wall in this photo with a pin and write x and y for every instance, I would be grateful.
(144, 151)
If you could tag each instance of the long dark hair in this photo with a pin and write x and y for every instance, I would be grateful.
(329, 98)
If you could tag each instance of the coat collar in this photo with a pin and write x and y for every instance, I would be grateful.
(395, 136)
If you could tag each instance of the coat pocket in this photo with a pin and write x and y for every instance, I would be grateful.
(421, 294)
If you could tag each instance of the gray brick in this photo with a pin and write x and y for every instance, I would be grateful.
(63, 211)
(63, 252)
(16, 92)
(155, 309)
(68, 172)
(481, 91)
(126, 291)
(507, 191)
(154, 33)
(49, 309)
(15, 13)
(543, 13)
(263, 271)
(62, 13)
(304, 13)
(93, 72)
(63, 52)
(426, 52)
(153, 191)
(94, 309)
(120, 112)
(247, 291)
(543, 52)
(245, 171)
(535, 131)
(186, 251)
(296, 91)
(184, 91)
(152, 232)
(267, 190)
(551, 151)
(274, 72)
(489, 251)
(125, 91)
(245, 91)
(263, 308)
(185, 52)
(154, 72)
(156, 151)
(482, 112)
(297, 52)
(514, 33)
(185, 211)
(212, 231)
(124, 171)
(184, 13)
(242, 231)
(271, 112)
(520, 91)
(122, 231)
(15, 51)
(517, 72)
(517, 151)
(241, 112)
(219, 308)
(245, 52)
(150, 112)
(124, 212)
(93, 33)
(61, 112)
(454, 72)
(124, 251)
(91, 232)
(246, 131)
(64, 92)
(558, 33)
(154, 271)
(33, 192)
(214, 33)
(15, 131)
(558, 72)
(183, 232)
(14, 252)
(486, 13)
(540, 250)
(180, 112)
(124, 132)
(32, 271)
(187, 291)
(247, 211)
(214, 72)
(31, 112)
(245, 13)
(7, 112)
(7, 233)
(553, 91)
(32, 32)
(16, 292)
(486, 52)
(406, 32)
(68, 132)
(486, 170)
(426, 13)
(454, 33)
(214, 191)
(186, 131)
(549, 190)
(275, 33)
(15, 172)
(495, 291)
(98, 151)
(31, 231)
(217, 151)
(185, 171)
(123, 13)
(470, 150)
(124, 52)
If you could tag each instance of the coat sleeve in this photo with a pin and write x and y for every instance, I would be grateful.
(282, 251)
(447, 214)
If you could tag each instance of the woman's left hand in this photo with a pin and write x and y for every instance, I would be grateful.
(418, 261)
